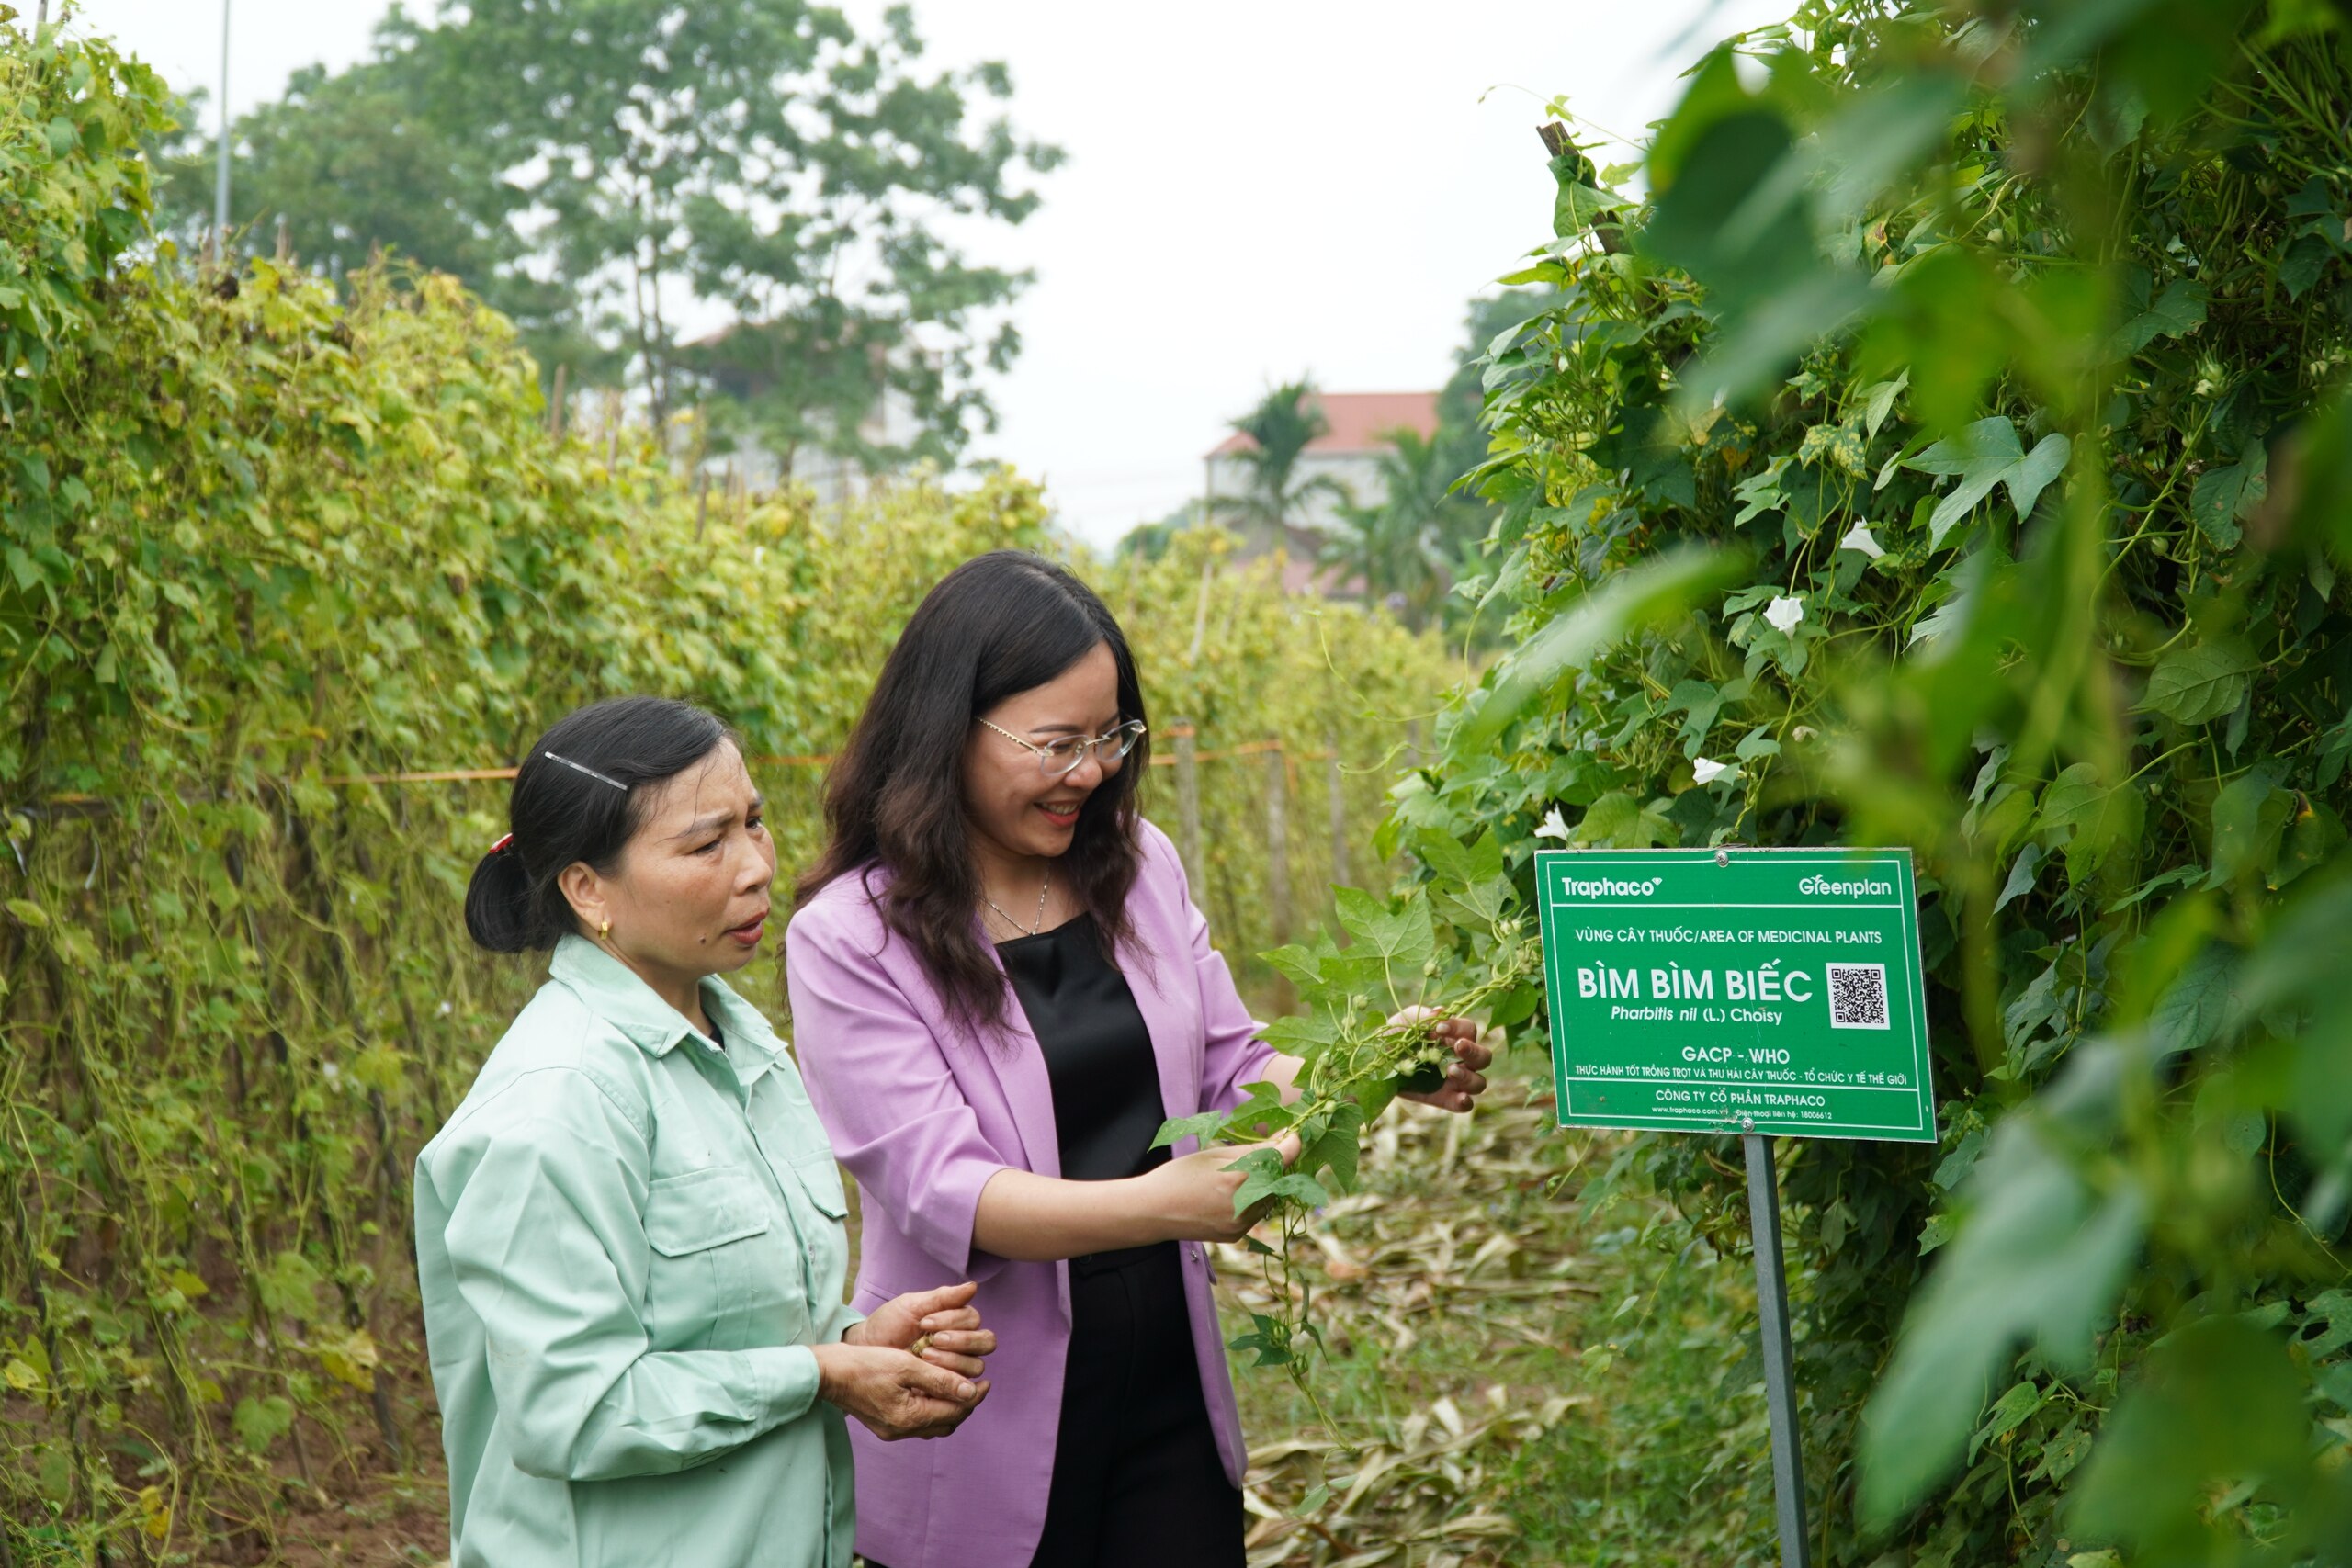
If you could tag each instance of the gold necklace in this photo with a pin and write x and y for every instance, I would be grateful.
(1007, 920)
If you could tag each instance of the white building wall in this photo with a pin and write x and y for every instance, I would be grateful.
(1357, 472)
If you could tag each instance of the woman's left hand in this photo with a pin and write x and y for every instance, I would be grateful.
(940, 1325)
(1464, 1078)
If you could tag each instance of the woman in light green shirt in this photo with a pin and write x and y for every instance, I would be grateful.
(629, 1236)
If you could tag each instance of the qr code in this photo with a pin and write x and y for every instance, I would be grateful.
(1858, 996)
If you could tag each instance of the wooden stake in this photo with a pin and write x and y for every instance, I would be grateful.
(1278, 843)
(1188, 806)
(1201, 614)
(556, 405)
(1335, 779)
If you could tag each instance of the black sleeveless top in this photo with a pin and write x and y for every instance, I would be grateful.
(1098, 1051)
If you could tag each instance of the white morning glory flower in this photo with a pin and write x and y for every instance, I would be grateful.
(1785, 614)
(1554, 826)
(1860, 537)
(1703, 771)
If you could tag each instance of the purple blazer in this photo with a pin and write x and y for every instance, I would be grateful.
(923, 1115)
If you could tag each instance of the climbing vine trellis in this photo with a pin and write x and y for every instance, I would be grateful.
(1951, 450)
(264, 544)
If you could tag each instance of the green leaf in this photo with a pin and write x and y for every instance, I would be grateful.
(2009, 1414)
(2060, 1455)
(2178, 311)
(2250, 813)
(1400, 936)
(1260, 1168)
(1302, 966)
(2199, 1004)
(1481, 903)
(1653, 594)
(1984, 454)
(2221, 1404)
(1618, 821)
(2305, 261)
(1878, 400)
(1339, 1149)
(1305, 1034)
(2090, 821)
(2038, 1259)
(1262, 1113)
(261, 1422)
(2023, 872)
(2040, 469)
(2225, 497)
(2201, 682)
(1205, 1126)
(1445, 855)
(289, 1287)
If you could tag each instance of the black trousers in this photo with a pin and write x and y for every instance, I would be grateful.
(1136, 1480)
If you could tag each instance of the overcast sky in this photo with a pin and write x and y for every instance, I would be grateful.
(1256, 188)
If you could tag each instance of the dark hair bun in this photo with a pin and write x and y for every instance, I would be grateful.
(581, 809)
(499, 912)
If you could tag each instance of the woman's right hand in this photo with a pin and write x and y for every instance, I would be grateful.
(895, 1393)
(1193, 1194)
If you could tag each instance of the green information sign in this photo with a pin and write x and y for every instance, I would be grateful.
(1737, 990)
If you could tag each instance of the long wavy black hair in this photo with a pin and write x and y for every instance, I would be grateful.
(997, 626)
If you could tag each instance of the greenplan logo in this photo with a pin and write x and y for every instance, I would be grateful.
(1826, 888)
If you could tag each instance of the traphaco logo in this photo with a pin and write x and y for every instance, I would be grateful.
(1609, 887)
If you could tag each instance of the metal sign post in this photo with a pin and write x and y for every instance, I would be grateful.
(1779, 1375)
(1759, 992)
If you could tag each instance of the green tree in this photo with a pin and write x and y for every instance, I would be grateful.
(1151, 541)
(654, 161)
(1274, 497)
(1407, 546)
(353, 167)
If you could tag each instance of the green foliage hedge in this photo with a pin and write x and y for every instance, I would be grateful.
(254, 543)
(1951, 452)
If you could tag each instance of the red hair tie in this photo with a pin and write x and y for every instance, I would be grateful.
(501, 847)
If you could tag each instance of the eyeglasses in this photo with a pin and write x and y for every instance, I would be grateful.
(1056, 758)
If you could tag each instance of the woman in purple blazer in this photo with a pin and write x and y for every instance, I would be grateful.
(1000, 990)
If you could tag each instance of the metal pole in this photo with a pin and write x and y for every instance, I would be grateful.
(1780, 1382)
(221, 176)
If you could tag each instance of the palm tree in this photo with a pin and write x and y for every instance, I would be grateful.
(1405, 548)
(1275, 499)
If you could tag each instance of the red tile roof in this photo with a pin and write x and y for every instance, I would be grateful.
(1359, 422)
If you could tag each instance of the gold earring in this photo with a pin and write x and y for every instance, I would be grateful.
(604, 930)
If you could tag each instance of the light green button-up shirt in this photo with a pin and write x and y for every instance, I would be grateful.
(627, 1238)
